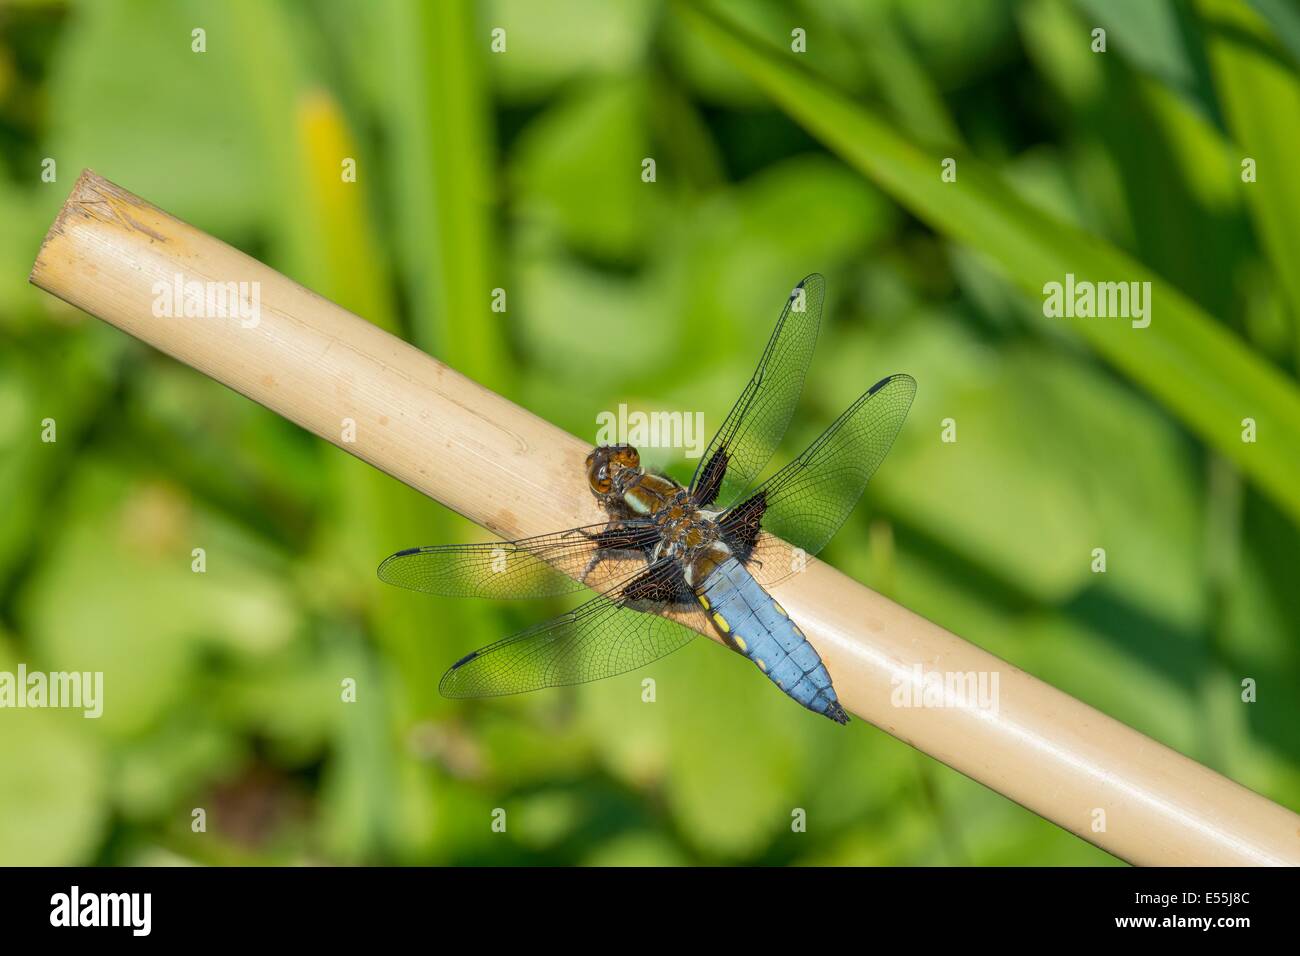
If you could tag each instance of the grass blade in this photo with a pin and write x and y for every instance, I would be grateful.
(1260, 96)
(1198, 370)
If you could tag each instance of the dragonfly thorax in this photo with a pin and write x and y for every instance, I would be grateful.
(680, 523)
(685, 532)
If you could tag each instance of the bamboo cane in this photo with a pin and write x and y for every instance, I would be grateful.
(516, 475)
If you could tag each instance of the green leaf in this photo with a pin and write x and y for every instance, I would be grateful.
(53, 803)
(1052, 459)
(1285, 18)
(637, 849)
(577, 170)
(109, 110)
(1260, 94)
(552, 44)
(1187, 361)
(730, 791)
(53, 806)
(462, 268)
(1157, 36)
(122, 556)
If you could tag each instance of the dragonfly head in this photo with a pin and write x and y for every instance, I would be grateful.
(606, 463)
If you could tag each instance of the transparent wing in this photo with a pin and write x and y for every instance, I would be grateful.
(608, 635)
(805, 503)
(754, 426)
(548, 564)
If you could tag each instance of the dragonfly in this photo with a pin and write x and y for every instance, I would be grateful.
(671, 560)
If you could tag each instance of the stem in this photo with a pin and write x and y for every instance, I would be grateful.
(515, 474)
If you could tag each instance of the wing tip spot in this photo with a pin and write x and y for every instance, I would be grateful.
(465, 660)
(406, 551)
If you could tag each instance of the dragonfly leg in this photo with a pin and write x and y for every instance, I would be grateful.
(609, 546)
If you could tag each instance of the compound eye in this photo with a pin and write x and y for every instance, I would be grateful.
(599, 479)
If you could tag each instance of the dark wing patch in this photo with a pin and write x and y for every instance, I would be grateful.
(808, 500)
(465, 660)
(741, 525)
(661, 584)
(626, 540)
(754, 426)
(710, 480)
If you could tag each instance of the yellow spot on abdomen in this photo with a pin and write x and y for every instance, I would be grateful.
(721, 622)
(740, 642)
(779, 609)
(704, 602)
(762, 665)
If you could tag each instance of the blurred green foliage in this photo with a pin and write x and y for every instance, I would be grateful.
(522, 170)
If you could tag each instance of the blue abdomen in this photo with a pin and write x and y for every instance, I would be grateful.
(753, 624)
